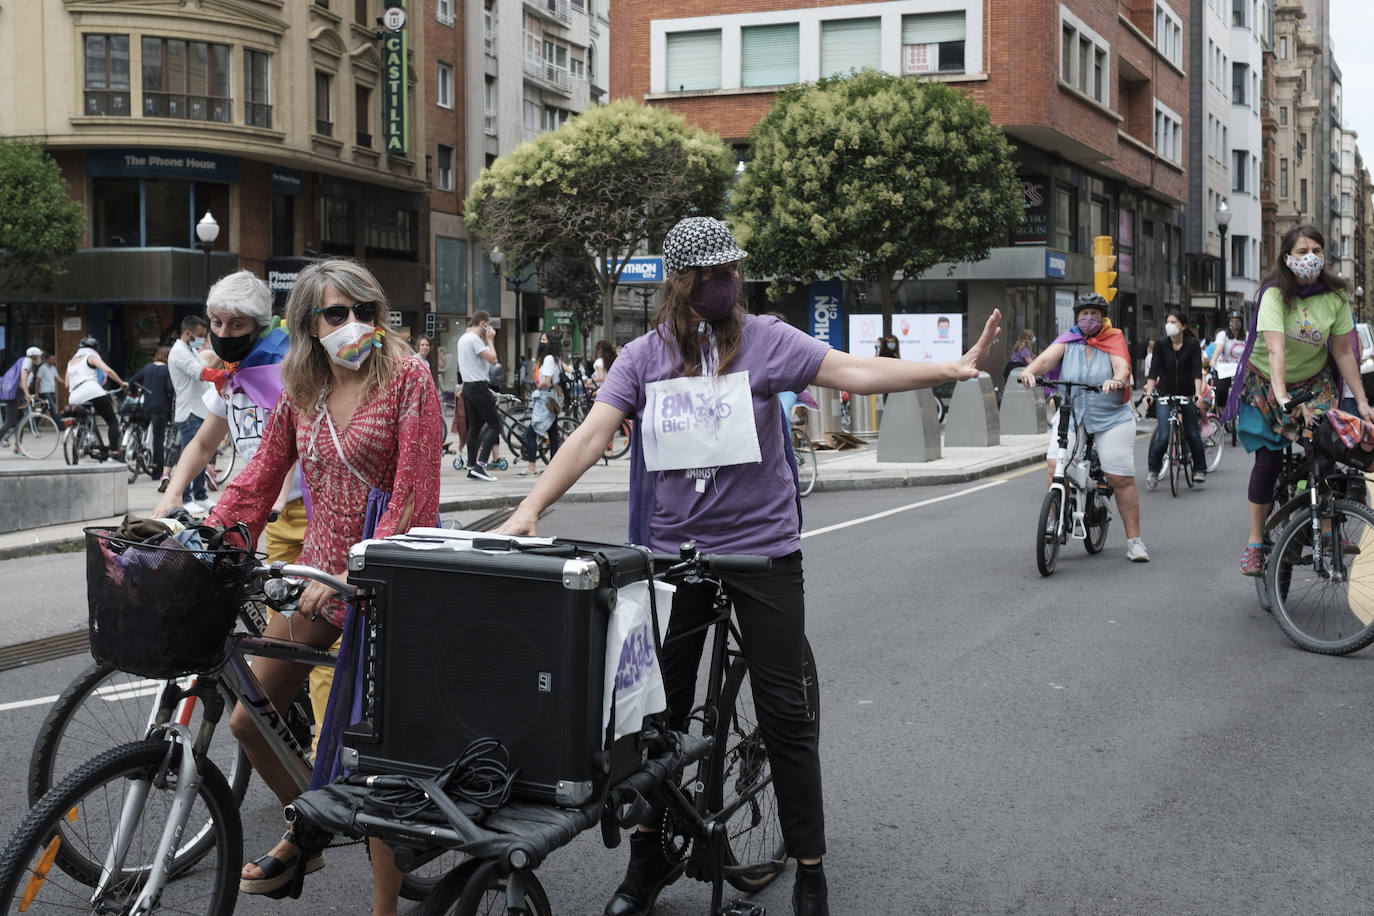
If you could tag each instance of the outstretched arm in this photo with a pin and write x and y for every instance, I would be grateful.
(874, 375)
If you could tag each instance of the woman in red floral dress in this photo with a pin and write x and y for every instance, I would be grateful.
(363, 419)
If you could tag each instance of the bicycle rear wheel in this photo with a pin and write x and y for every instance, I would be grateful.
(73, 440)
(620, 441)
(74, 825)
(741, 778)
(38, 436)
(479, 887)
(104, 708)
(1176, 468)
(805, 451)
(1328, 610)
(1098, 521)
(1048, 536)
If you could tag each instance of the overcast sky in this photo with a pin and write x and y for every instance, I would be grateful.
(1352, 27)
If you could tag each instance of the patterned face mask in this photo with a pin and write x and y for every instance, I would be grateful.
(1306, 268)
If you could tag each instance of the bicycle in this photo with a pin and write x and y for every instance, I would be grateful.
(512, 432)
(1317, 574)
(1073, 508)
(80, 438)
(1178, 457)
(37, 435)
(136, 438)
(805, 452)
(720, 816)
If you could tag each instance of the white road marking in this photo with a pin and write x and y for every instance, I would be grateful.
(21, 704)
(925, 502)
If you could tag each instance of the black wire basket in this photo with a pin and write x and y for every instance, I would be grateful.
(162, 610)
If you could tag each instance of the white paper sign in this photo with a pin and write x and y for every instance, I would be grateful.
(700, 422)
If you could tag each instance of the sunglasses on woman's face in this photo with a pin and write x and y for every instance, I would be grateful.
(336, 315)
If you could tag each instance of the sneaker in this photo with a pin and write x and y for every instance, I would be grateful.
(479, 472)
(1199, 476)
(1136, 552)
(1252, 561)
(195, 508)
(1151, 480)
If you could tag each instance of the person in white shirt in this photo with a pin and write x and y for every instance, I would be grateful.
(189, 412)
(1226, 354)
(475, 359)
(47, 386)
(83, 377)
(15, 408)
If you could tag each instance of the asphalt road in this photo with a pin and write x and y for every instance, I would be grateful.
(1118, 738)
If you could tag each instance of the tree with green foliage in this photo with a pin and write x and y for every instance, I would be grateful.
(40, 225)
(608, 181)
(869, 176)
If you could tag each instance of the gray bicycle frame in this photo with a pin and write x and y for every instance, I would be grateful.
(235, 681)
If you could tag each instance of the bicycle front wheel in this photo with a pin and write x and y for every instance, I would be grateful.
(71, 443)
(104, 708)
(56, 856)
(1324, 598)
(805, 451)
(38, 436)
(1047, 536)
(1213, 438)
(741, 779)
(1176, 468)
(225, 455)
(479, 887)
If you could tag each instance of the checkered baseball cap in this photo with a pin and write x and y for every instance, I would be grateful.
(699, 241)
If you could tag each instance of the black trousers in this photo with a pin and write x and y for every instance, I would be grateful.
(770, 611)
(14, 407)
(483, 422)
(104, 408)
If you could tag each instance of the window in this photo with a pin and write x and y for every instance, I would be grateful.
(1240, 84)
(1168, 133)
(360, 12)
(850, 44)
(443, 11)
(1283, 178)
(257, 107)
(107, 75)
(577, 66)
(336, 225)
(1169, 34)
(1084, 58)
(1238, 17)
(693, 60)
(283, 225)
(555, 118)
(1283, 47)
(186, 79)
(1283, 114)
(388, 232)
(770, 55)
(115, 213)
(531, 119)
(324, 119)
(1240, 251)
(443, 168)
(489, 107)
(443, 85)
(1240, 171)
(1065, 219)
(489, 28)
(362, 106)
(1302, 195)
(933, 42)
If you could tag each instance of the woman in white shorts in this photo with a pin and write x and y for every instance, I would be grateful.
(1094, 352)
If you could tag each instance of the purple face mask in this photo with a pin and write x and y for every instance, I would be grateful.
(1090, 325)
(717, 297)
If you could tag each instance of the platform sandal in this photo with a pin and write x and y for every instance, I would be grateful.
(282, 879)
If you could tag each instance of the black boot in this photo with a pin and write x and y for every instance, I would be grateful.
(649, 872)
(809, 894)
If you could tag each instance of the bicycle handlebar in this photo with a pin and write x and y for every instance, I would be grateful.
(689, 561)
(1298, 401)
(279, 570)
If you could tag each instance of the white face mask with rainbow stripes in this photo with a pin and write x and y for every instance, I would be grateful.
(350, 345)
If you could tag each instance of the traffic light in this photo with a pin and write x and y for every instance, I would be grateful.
(1104, 259)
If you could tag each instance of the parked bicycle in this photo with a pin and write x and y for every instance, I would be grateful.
(514, 416)
(37, 435)
(1078, 502)
(805, 451)
(80, 437)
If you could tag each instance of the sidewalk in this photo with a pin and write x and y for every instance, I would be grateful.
(461, 498)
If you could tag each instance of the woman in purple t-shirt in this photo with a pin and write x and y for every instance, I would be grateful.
(712, 464)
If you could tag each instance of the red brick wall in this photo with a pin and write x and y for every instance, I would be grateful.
(443, 125)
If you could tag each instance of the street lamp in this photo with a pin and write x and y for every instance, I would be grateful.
(207, 230)
(645, 294)
(1223, 220)
(1359, 303)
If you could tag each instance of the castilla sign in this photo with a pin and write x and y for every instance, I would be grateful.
(395, 98)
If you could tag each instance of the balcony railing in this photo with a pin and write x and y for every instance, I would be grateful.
(324, 128)
(558, 9)
(257, 114)
(489, 124)
(190, 107)
(364, 140)
(552, 76)
(107, 102)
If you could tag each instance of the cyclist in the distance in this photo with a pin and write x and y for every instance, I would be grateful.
(723, 476)
(1176, 371)
(1093, 352)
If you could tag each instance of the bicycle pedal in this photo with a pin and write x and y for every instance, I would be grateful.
(745, 908)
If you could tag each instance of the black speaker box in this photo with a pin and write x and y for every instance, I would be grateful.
(463, 644)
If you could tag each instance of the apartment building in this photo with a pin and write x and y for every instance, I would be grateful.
(1296, 53)
(1247, 34)
(268, 115)
(1210, 157)
(1098, 125)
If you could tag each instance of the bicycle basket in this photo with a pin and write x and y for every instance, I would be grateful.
(161, 610)
(1345, 438)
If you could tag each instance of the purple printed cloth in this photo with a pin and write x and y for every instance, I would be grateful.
(743, 508)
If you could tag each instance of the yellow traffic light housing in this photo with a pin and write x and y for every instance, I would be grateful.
(1104, 259)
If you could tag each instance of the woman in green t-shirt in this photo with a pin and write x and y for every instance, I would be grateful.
(1304, 327)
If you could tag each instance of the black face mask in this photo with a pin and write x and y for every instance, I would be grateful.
(232, 349)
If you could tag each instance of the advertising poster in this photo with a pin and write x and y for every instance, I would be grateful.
(864, 331)
(930, 337)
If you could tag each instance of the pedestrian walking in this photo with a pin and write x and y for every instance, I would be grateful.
(14, 390)
(476, 356)
(48, 377)
(155, 380)
(189, 413)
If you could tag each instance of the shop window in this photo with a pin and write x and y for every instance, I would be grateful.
(283, 225)
(107, 75)
(155, 212)
(336, 225)
(933, 42)
(186, 79)
(115, 220)
(1065, 219)
(257, 108)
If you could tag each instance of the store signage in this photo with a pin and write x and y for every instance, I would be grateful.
(1056, 265)
(1035, 211)
(825, 297)
(281, 278)
(637, 270)
(286, 181)
(395, 98)
(161, 163)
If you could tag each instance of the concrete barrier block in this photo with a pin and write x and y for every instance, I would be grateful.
(35, 498)
(972, 418)
(1023, 409)
(910, 429)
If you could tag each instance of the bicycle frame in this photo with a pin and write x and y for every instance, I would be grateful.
(1072, 507)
